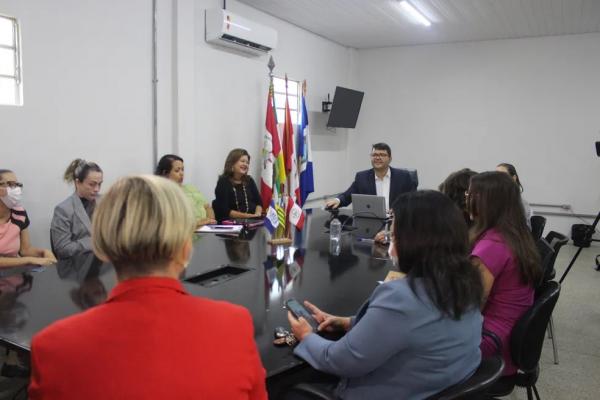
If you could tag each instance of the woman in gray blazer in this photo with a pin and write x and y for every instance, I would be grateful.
(70, 230)
(416, 335)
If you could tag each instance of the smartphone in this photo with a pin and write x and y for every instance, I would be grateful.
(298, 310)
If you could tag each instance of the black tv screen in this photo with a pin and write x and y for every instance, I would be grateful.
(345, 108)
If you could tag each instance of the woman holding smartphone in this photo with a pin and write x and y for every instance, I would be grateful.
(414, 336)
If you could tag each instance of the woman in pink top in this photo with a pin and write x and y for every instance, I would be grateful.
(15, 247)
(506, 255)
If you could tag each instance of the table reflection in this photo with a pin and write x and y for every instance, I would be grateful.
(13, 313)
(272, 275)
(85, 269)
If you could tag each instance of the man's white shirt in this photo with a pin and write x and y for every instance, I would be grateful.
(382, 187)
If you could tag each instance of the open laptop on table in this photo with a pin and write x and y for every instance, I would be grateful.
(368, 206)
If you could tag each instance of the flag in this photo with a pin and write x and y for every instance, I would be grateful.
(280, 215)
(288, 134)
(296, 214)
(306, 180)
(289, 151)
(271, 219)
(273, 171)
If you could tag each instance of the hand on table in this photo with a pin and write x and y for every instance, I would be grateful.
(332, 204)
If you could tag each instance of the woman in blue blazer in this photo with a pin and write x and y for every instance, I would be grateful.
(414, 336)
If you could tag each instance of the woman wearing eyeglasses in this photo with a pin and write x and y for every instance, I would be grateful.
(15, 247)
(70, 230)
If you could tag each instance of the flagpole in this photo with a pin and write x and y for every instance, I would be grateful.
(285, 241)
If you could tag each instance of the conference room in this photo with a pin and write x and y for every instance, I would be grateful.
(446, 85)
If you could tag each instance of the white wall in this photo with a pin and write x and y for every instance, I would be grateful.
(223, 94)
(87, 93)
(531, 102)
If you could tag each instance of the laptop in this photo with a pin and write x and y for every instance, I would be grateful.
(368, 206)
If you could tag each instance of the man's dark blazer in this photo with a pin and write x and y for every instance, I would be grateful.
(401, 181)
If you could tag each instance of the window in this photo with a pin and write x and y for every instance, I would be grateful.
(294, 98)
(10, 62)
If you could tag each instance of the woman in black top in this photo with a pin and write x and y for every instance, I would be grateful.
(236, 194)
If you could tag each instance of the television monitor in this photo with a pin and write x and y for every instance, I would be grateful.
(345, 108)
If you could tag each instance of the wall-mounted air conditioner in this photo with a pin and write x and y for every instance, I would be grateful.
(226, 29)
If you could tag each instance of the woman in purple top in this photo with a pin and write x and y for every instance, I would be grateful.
(506, 255)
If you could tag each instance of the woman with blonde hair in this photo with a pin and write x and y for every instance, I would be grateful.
(70, 229)
(150, 339)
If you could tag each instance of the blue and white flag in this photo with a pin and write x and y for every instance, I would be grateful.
(271, 219)
(307, 184)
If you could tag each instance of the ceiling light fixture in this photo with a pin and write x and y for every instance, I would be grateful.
(414, 13)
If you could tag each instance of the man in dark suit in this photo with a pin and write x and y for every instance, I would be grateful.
(381, 180)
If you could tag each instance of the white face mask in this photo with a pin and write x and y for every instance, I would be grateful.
(13, 197)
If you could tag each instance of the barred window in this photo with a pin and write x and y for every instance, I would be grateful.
(294, 98)
(11, 82)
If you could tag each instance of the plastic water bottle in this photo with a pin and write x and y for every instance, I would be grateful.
(335, 234)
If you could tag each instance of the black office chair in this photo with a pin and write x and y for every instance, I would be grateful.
(538, 223)
(307, 391)
(547, 257)
(526, 341)
(556, 241)
(488, 372)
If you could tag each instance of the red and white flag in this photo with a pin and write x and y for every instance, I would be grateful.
(296, 215)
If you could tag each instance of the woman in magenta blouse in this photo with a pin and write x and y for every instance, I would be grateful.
(506, 255)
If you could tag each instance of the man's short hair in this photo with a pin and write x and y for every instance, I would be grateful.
(383, 146)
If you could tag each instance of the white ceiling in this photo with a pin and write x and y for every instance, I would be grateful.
(379, 23)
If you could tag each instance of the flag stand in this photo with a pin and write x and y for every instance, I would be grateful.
(276, 172)
(285, 241)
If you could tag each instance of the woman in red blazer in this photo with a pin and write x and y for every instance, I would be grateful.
(150, 340)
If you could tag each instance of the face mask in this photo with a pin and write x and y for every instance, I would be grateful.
(13, 197)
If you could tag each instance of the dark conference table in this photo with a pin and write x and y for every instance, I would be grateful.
(31, 300)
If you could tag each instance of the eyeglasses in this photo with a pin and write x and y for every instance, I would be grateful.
(11, 184)
(379, 155)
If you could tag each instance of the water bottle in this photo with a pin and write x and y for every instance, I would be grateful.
(335, 234)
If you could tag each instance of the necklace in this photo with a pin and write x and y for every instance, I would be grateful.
(237, 205)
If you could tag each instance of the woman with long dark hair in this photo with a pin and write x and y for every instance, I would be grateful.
(506, 254)
(417, 335)
(236, 194)
(455, 186)
(512, 172)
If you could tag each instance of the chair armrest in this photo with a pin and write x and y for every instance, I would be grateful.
(307, 391)
(494, 338)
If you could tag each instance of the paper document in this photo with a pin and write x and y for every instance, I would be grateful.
(227, 229)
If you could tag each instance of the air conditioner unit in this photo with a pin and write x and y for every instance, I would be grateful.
(226, 29)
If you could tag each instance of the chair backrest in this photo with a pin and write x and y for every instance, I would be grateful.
(528, 334)
(556, 240)
(547, 256)
(488, 372)
(538, 223)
